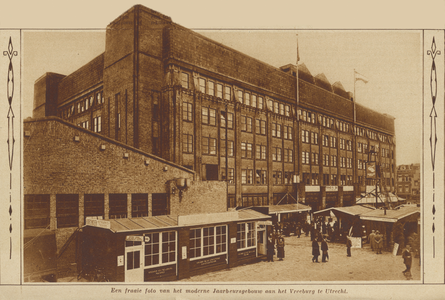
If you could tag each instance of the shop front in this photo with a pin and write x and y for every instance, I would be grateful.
(164, 248)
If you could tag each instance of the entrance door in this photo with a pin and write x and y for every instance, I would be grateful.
(261, 240)
(134, 260)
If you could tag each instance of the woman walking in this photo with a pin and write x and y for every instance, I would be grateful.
(315, 250)
(280, 248)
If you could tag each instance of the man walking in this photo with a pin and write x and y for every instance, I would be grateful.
(324, 249)
(407, 260)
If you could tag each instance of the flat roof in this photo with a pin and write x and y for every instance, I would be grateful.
(170, 222)
(288, 208)
(391, 215)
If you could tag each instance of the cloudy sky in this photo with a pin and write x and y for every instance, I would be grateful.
(335, 40)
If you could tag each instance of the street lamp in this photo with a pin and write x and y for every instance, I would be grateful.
(372, 170)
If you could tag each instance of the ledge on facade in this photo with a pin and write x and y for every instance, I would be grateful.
(106, 139)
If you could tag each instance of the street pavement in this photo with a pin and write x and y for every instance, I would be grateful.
(297, 266)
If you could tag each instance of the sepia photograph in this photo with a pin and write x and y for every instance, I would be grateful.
(153, 155)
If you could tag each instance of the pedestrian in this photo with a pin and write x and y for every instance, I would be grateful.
(298, 230)
(371, 239)
(324, 249)
(348, 245)
(280, 248)
(407, 260)
(270, 249)
(315, 250)
(378, 242)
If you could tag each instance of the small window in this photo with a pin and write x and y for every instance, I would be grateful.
(227, 93)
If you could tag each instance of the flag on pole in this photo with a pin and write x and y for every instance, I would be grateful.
(298, 52)
(359, 76)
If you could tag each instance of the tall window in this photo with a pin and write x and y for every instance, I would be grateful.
(208, 116)
(260, 152)
(314, 138)
(326, 160)
(187, 143)
(287, 132)
(305, 159)
(208, 146)
(187, 111)
(246, 176)
(247, 99)
(67, 210)
(246, 124)
(315, 158)
(37, 211)
(185, 80)
(277, 177)
(223, 148)
(219, 90)
(246, 150)
(333, 161)
(226, 118)
(260, 127)
(97, 124)
(93, 205)
(208, 241)
(261, 176)
(118, 206)
(276, 154)
(288, 155)
(260, 102)
(253, 101)
(211, 88)
(245, 236)
(227, 93)
(202, 85)
(139, 205)
(231, 174)
(305, 136)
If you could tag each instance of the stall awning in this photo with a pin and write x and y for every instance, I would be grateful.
(281, 209)
(355, 210)
(391, 215)
(170, 222)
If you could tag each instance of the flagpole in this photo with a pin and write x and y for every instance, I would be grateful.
(298, 123)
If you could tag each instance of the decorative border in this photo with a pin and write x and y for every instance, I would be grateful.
(11, 140)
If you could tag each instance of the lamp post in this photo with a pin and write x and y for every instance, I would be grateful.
(373, 168)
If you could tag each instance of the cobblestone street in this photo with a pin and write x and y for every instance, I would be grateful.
(297, 266)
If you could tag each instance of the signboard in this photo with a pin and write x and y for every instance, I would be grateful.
(331, 188)
(396, 248)
(184, 252)
(98, 223)
(348, 188)
(356, 242)
(312, 188)
(120, 260)
(264, 223)
(370, 170)
(233, 240)
(134, 238)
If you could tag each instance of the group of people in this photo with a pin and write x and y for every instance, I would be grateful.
(278, 240)
(316, 250)
(376, 241)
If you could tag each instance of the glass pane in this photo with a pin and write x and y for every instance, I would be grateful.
(137, 259)
(129, 260)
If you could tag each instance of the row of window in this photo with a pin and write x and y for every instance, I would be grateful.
(160, 247)
(37, 208)
(97, 124)
(83, 105)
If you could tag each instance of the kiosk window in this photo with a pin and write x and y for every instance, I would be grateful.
(208, 241)
(160, 248)
(245, 236)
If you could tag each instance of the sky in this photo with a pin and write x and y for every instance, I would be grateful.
(333, 41)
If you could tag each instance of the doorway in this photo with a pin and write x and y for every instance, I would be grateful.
(134, 259)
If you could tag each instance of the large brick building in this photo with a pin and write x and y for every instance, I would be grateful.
(170, 91)
(214, 114)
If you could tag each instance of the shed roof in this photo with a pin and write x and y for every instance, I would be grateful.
(355, 210)
(169, 221)
(391, 215)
